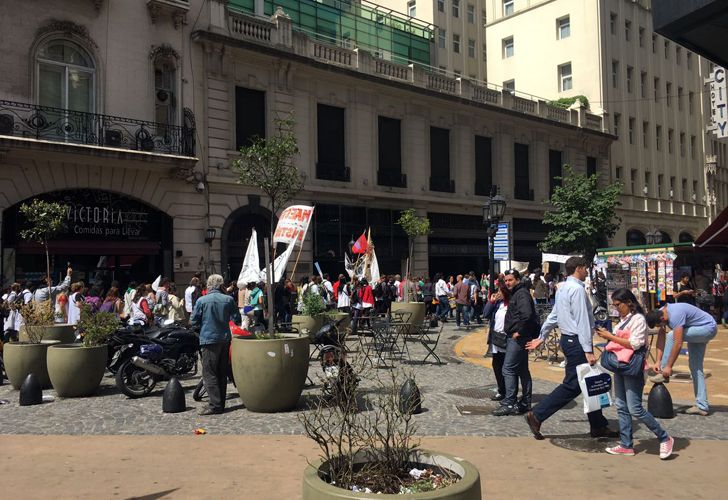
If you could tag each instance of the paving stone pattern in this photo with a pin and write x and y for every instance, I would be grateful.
(444, 388)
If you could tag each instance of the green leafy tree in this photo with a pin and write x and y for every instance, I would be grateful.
(268, 164)
(413, 226)
(583, 214)
(46, 220)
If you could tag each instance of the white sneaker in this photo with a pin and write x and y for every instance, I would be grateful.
(666, 448)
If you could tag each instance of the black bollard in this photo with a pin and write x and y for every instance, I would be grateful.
(659, 402)
(173, 400)
(30, 391)
(410, 400)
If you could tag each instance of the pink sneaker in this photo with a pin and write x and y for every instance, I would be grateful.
(666, 448)
(621, 450)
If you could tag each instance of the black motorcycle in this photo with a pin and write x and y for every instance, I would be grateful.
(340, 381)
(151, 356)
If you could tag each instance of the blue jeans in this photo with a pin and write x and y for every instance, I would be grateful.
(569, 388)
(515, 367)
(628, 399)
(697, 338)
(443, 307)
(464, 310)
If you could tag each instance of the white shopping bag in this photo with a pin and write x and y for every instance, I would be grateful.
(595, 383)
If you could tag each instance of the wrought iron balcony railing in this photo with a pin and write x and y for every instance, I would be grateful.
(442, 185)
(76, 127)
(391, 178)
(332, 172)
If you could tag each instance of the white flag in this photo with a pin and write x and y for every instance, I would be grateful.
(156, 283)
(348, 265)
(251, 264)
(279, 264)
(374, 268)
(293, 224)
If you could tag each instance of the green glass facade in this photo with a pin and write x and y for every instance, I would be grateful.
(384, 32)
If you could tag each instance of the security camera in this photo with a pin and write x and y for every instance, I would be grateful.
(200, 187)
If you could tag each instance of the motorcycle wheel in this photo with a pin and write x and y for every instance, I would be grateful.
(200, 391)
(133, 381)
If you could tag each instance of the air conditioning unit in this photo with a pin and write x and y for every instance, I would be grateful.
(7, 122)
(112, 138)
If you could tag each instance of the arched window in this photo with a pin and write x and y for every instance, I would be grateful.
(665, 237)
(635, 238)
(66, 76)
(165, 90)
(686, 237)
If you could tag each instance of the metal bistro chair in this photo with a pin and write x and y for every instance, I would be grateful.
(429, 338)
(385, 334)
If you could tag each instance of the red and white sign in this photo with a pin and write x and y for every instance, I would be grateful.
(293, 224)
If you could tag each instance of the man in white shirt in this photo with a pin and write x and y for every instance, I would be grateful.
(191, 293)
(442, 294)
(398, 287)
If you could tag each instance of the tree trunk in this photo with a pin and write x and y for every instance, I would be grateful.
(48, 268)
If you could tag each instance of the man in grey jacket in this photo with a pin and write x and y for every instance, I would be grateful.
(213, 313)
(46, 291)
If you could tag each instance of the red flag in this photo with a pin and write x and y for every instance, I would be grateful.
(361, 245)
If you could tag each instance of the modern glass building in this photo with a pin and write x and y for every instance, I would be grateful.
(383, 32)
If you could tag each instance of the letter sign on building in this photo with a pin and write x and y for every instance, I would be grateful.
(718, 102)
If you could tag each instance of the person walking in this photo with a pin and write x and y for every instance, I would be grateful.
(112, 303)
(693, 325)
(461, 292)
(631, 335)
(572, 313)
(213, 314)
(442, 294)
(520, 326)
(141, 312)
(342, 296)
(256, 301)
(495, 312)
(192, 293)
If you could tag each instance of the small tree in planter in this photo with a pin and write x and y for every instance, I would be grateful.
(37, 316)
(267, 163)
(413, 226)
(96, 327)
(46, 220)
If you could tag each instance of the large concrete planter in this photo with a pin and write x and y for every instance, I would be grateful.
(270, 374)
(311, 324)
(468, 488)
(60, 332)
(75, 370)
(344, 324)
(416, 310)
(23, 358)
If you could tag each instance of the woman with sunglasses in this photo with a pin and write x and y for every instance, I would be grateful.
(632, 334)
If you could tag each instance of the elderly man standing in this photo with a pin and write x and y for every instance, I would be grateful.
(213, 313)
(572, 313)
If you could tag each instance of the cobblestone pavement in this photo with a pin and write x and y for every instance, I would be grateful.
(444, 388)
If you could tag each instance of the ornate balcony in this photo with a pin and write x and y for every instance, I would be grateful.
(30, 121)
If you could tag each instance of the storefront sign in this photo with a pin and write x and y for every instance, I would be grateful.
(293, 224)
(718, 102)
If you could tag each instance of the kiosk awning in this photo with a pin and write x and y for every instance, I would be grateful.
(716, 235)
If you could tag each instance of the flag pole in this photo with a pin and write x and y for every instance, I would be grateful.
(298, 256)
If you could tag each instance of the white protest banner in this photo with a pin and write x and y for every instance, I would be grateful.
(293, 224)
(251, 264)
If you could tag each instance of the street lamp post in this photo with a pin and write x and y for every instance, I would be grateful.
(493, 212)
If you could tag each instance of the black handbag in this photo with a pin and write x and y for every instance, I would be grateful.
(499, 339)
(634, 368)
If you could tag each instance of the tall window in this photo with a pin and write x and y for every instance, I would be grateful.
(668, 93)
(249, 116)
(684, 190)
(658, 135)
(165, 95)
(692, 147)
(690, 102)
(508, 47)
(657, 88)
(660, 182)
(483, 165)
(631, 130)
(670, 137)
(654, 44)
(390, 153)
(630, 72)
(627, 30)
(643, 84)
(679, 98)
(682, 144)
(615, 74)
(591, 166)
(617, 120)
(645, 134)
(633, 181)
(563, 28)
(456, 43)
(441, 36)
(522, 173)
(471, 13)
(678, 55)
(412, 8)
(330, 124)
(641, 35)
(509, 85)
(66, 76)
(441, 5)
(440, 159)
(667, 49)
(613, 23)
(508, 7)
(690, 60)
(565, 82)
(555, 171)
(471, 48)
(455, 8)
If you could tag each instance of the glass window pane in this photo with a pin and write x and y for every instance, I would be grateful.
(80, 91)
(50, 85)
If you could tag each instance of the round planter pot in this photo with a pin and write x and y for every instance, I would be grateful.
(311, 324)
(417, 310)
(468, 488)
(270, 374)
(60, 332)
(75, 370)
(22, 358)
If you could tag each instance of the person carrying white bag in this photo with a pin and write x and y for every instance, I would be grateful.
(595, 383)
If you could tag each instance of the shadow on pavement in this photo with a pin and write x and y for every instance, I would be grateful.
(154, 496)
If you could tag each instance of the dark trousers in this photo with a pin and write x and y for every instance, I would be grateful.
(215, 368)
(569, 388)
(498, 359)
(515, 367)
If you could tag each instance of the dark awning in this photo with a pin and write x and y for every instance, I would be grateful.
(716, 235)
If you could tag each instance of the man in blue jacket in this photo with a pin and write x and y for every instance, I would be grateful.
(213, 313)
